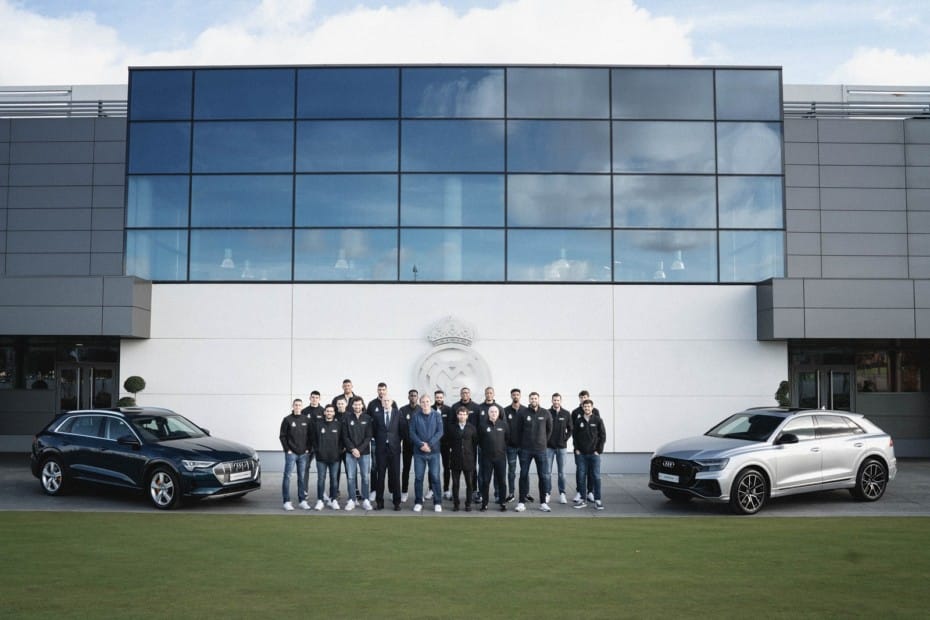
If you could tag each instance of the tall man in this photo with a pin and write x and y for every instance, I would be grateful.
(376, 410)
(327, 444)
(293, 436)
(589, 437)
(356, 439)
(425, 435)
(407, 412)
(347, 392)
(463, 440)
(555, 448)
(313, 413)
(478, 421)
(390, 429)
(474, 412)
(448, 419)
(533, 428)
(511, 413)
(493, 438)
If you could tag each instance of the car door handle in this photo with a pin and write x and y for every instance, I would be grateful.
(815, 449)
(858, 444)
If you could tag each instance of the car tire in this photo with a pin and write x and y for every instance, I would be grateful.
(678, 497)
(164, 488)
(52, 476)
(871, 481)
(749, 492)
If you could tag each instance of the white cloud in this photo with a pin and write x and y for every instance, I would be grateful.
(78, 49)
(870, 65)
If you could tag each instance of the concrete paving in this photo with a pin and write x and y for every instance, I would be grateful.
(624, 495)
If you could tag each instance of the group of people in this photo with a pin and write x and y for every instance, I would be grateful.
(478, 443)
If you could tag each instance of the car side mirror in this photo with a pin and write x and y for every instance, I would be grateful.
(786, 438)
(128, 440)
(205, 431)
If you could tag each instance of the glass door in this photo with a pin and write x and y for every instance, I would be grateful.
(825, 387)
(87, 386)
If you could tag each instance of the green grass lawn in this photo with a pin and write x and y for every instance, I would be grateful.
(206, 566)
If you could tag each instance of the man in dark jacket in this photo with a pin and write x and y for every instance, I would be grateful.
(327, 445)
(577, 413)
(376, 410)
(555, 448)
(493, 439)
(293, 436)
(533, 428)
(448, 420)
(510, 414)
(407, 411)
(390, 429)
(356, 439)
(314, 413)
(589, 437)
(462, 441)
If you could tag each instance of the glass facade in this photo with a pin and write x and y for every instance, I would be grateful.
(455, 174)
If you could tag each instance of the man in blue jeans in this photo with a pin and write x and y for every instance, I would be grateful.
(533, 428)
(425, 434)
(555, 448)
(589, 437)
(294, 435)
(356, 439)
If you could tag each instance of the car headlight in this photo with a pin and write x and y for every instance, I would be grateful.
(712, 464)
(192, 465)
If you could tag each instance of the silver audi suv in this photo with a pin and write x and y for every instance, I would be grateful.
(769, 452)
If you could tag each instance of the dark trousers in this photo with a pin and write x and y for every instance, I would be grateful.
(389, 462)
(405, 472)
(469, 476)
(540, 459)
(446, 452)
(497, 470)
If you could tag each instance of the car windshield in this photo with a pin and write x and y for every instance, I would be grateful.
(752, 426)
(166, 427)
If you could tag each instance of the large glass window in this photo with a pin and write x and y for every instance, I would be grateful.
(657, 146)
(748, 95)
(654, 201)
(665, 256)
(686, 94)
(452, 146)
(452, 200)
(749, 256)
(558, 146)
(557, 93)
(253, 146)
(240, 255)
(346, 200)
(244, 93)
(557, 201)
(453, 92)
(159, 148)
(347, 146)
(451, 254)
(347, 254)
(157, 201)
(354, 92)
(751, 202)
(160, 95)
(241, 200)
(157, 254)
(558, 255)
(749, 148)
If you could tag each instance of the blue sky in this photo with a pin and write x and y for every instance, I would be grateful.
(819, 42)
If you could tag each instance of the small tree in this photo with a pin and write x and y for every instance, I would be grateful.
(782, 395)
(135, 385)
(126, 401)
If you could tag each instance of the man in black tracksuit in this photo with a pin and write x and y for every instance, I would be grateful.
(462, 443)
(510, 414)
(448, 419)
(406, 412)
(473, 412)
(589, 437)
(313, 413)
(478, 420)
(327, 444)
(493, 438)
(533, 428)
(583, 395)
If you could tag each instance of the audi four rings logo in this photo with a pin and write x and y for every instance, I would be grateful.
(668, 464)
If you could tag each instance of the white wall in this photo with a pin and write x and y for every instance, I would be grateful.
(660, 361)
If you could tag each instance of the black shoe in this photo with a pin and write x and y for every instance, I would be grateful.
(379, 506)
(455, 508)
(503, 507)
(396, 507)
(529, 498)
(484, 507)
(509, 498)
(467, 507)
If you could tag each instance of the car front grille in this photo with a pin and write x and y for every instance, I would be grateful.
(234, 472)
(685, 470)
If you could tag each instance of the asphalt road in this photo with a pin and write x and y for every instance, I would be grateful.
(625, 495)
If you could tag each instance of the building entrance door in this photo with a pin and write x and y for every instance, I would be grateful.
(830, 387)
(87, 386)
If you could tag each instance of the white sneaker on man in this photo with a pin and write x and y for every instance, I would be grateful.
(288, 506)
(546, 499)
(366, 505)
(545, 507)
(429, 494)
(447, 495)
(417, 507)
(334, 504)
(577, 497)
(599, 505)
(590, 496)
(372, 496)
(350, 505)
(520, 507)
(326, 499)
(562, 498)
(318, 505)
(403, 497)
(437, 508)
(304, 505)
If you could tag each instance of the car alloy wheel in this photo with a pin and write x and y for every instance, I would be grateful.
(871, 481)
(163, 488)
(53, 478)
(748, 493)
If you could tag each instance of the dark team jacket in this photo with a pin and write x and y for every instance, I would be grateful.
(294, 434)
(578, 412)
(357, 432)
(447, 416)
(561, 428)
(589, 436)
(510, 415)
(407, 412)
(478, 419)
(327, 441)
(532, 429)
(314, 415)
(493, 439)
(462, 442)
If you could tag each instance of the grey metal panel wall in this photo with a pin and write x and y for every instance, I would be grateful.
(61, 182)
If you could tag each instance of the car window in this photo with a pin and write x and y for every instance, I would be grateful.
(832, 426)
(747, 425)
(802, 427)
(117, 428)
(166, 427)
(85, 425)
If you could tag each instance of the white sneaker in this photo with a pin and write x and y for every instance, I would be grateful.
(546, 500)
(562, 499)
(520, 507)
(590, 496)
(545, 507)
(334, 504)
(447, 495)
(599, 505)
(350, 505)
(429, 494)
(326, 499)
(403, 497)
(577, 497)
(304, 505)
(366, 505)
(318, 505)
(417, 507)
(580, 504)
(371, 497)
(437, 508)
(288, 506)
